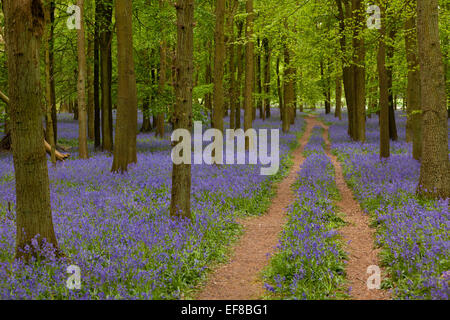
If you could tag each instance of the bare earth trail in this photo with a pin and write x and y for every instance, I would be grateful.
(238, 279)
(358, 235)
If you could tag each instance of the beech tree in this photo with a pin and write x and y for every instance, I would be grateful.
(81, 86)
(219, 61)
(180, 204)
(24, 30)
(414, 117)
(126, 128)
(434, 179)
(249, 70)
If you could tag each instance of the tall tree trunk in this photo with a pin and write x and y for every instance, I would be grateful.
(208, 79)
(146, 124)
(90, 90)
(390, 55)
(338, 111)
(232, 65)
(24, 30)
(434, 181)
(249, 70)
(414, 117)
(280, 95)
(180, 204)
(219, 61)
(288, 91)
(359, 72)
(81, 86)
(240, 64)
(126, 122)
(160, 118)
(384, 91)
(265, 43)
(259, 85)
(347, 69)
(106, 72)
(97, 119)
(49, 83)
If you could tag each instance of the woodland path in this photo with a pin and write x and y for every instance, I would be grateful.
(239, 279)
(358, 236)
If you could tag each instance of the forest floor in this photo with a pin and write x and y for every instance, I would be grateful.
(240, 278)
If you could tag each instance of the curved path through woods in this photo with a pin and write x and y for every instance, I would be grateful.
(239, 279)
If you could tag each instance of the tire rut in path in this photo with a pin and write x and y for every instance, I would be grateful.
(239, 278)
(358, 235)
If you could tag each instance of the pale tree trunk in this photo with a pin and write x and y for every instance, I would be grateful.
(81, 86)
(434, 179)
(180, 204)
(49, 98)
(414, 117)
(384, 90)
(24, 29)
(126, 122)
(249, 70)
(219, 60)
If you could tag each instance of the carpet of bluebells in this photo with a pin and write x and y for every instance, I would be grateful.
(309, 262)
(117, 229)
(414, 233)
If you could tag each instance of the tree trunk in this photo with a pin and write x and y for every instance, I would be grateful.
(232, 65)
(249, 69)
(265, 43)
(240, 64)
(434, 179)
(180, 204)
(160, 118)
(338, 111)
(359, 72)
(146, 124)
(49, 83)
(24, 28)
(280, 95)
(126, 122)
(384, 91)
(97, 120)
(90, 90)
(390, 55)
(262, 114)
(347, 70)
(414, 117)
(219, 61)
(106, 72)
(81, 86)
(288, 91)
